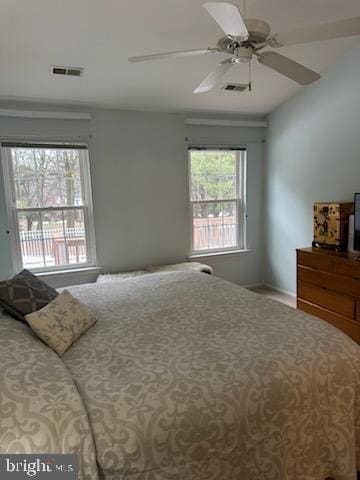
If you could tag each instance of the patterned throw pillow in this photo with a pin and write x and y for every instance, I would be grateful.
(61, 322)
(25, 293)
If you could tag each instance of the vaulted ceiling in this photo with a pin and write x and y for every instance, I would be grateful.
(100, 35)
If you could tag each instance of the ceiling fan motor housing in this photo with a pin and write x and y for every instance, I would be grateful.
(258, 29)
(259, 32)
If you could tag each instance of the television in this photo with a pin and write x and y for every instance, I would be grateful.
(357, 222)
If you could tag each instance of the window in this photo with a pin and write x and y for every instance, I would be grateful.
(49, 206)
(217, 199)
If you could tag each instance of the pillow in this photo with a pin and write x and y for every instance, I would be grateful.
(25, 293)
(60, 323)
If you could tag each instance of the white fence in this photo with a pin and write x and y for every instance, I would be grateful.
(57, 247)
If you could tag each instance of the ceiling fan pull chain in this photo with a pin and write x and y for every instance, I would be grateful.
(250, 79)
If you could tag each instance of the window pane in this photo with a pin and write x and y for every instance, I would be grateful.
(31, 240)
(46, 177)
(52, 238)
(66, 230)
(200, 227)
(214, 225)
(53, 233)
(213, 175)
(70, 184)
(75, 236)
(24, 178)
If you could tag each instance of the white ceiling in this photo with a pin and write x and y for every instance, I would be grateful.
(100, 35)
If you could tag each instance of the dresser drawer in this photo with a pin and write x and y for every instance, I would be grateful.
(349, 270)
(319, 262)
(336, 283)
(350, 327)
(328, 299)
(357, 315)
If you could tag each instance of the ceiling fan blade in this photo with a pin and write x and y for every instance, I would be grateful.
(293, 70)
(212, 79)
(229, 18)
(183, 53)
(326, 31)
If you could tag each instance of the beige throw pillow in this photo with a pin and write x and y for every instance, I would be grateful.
(60, 323)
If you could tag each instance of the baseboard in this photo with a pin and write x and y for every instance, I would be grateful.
(252, 285)
(271, 287)
(268, 285)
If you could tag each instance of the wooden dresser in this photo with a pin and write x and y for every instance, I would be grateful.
(328, 287)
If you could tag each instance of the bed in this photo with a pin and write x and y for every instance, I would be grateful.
(186, 376)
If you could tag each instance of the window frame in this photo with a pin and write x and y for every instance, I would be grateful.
(12, 209)
(240, 201)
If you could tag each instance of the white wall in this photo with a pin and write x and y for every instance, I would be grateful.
(140, 188)
(313, 154)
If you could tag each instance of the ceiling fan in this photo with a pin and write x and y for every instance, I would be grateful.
(246, 38)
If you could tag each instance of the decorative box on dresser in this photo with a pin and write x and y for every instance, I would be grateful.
(328, 287)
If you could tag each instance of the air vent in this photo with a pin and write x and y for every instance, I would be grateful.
(70, 71)
(236, 87)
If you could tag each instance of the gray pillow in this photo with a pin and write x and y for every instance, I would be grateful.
(25, 293)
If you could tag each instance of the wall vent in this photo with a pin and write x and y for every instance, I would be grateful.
(70, 71)
(236, 87)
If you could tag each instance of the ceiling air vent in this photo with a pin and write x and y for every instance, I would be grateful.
(236, 87)
(70, 71)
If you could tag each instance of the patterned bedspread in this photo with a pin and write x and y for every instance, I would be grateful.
(40, 408)
(187, 377)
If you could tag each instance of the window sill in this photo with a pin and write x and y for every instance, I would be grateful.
(218, 254)
(73, 276)
(70, 271)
